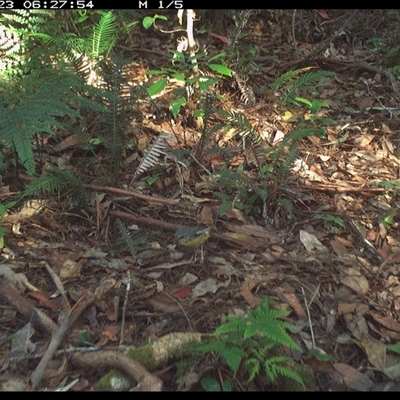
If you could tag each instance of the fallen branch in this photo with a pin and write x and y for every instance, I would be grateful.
(58, 336)
(103, 359)
(39, 319)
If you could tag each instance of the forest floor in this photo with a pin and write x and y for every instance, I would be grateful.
(324, 245)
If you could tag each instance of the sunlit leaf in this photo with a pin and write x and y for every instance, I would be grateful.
(157, 87)
(220, 69)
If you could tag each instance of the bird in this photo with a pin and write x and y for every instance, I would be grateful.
(192, 236)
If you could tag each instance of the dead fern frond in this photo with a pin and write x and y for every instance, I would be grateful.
(254, 153)
(247, 96)
(153, 154)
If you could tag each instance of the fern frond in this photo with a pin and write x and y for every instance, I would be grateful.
(104, 35)
(233, 324)
(287, 77)
(253, 368)
(308, 81)
(241, 124)
(247, 96)
(33, 105)
(277, 365)
(152, 155)
(241, 18)
(233, 180)
(57, 181)
(26, 20)
(254, 153)
(131, 242)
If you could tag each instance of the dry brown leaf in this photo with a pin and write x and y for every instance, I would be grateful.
(352, 378)
(355, 280)
(294, 303)
(356, 324)
(245, 291)
(210, 285)
(69, 142)
(165, 303)
(246, 239)
(311, 243)
(375, 351)
(387, 322)
(254, 230)
(70, 269)
(206, 217)
(339, 248)
(393, 369)
(236, 214)
(112, 309)
(364, 140)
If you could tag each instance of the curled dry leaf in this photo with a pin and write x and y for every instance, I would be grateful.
(355, 280)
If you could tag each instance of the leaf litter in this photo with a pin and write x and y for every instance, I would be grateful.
(338, 280)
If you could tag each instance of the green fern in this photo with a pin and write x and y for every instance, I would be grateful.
(17, 45)
(287, 77)
(104, 35)
(131, 242)
(278, 366)
(57, 181)
(308, 81)
(262, 320)
(241, 124)
(34, 104)
(284, 156)
(256, 340)
(82, 53)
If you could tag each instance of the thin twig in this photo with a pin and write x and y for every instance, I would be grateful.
(125, 306)
(309, 316)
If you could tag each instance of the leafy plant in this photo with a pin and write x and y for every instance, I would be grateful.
(149, 21)
(308, 80)
(314, 108)
(3, 210)
(188, 85)
(393, 185)
(211, 385)
(333, 222)
(58, 181)
(129, 242)
(388, 220)
(34, 104)
(255, 342)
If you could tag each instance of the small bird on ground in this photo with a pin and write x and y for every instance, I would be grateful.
(192, 236)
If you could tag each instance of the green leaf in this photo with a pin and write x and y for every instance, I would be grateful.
(155, 72)
(217, 56)
(206, 82)
(394, 347)
(148, 22)
(304, 101)
(210, 384)
(151, 179)
(220, 69)
(175, 105)
(157, 87)
(321, 356)
(327, 121)
(179, 77)
(226, 386)
(233, 356)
